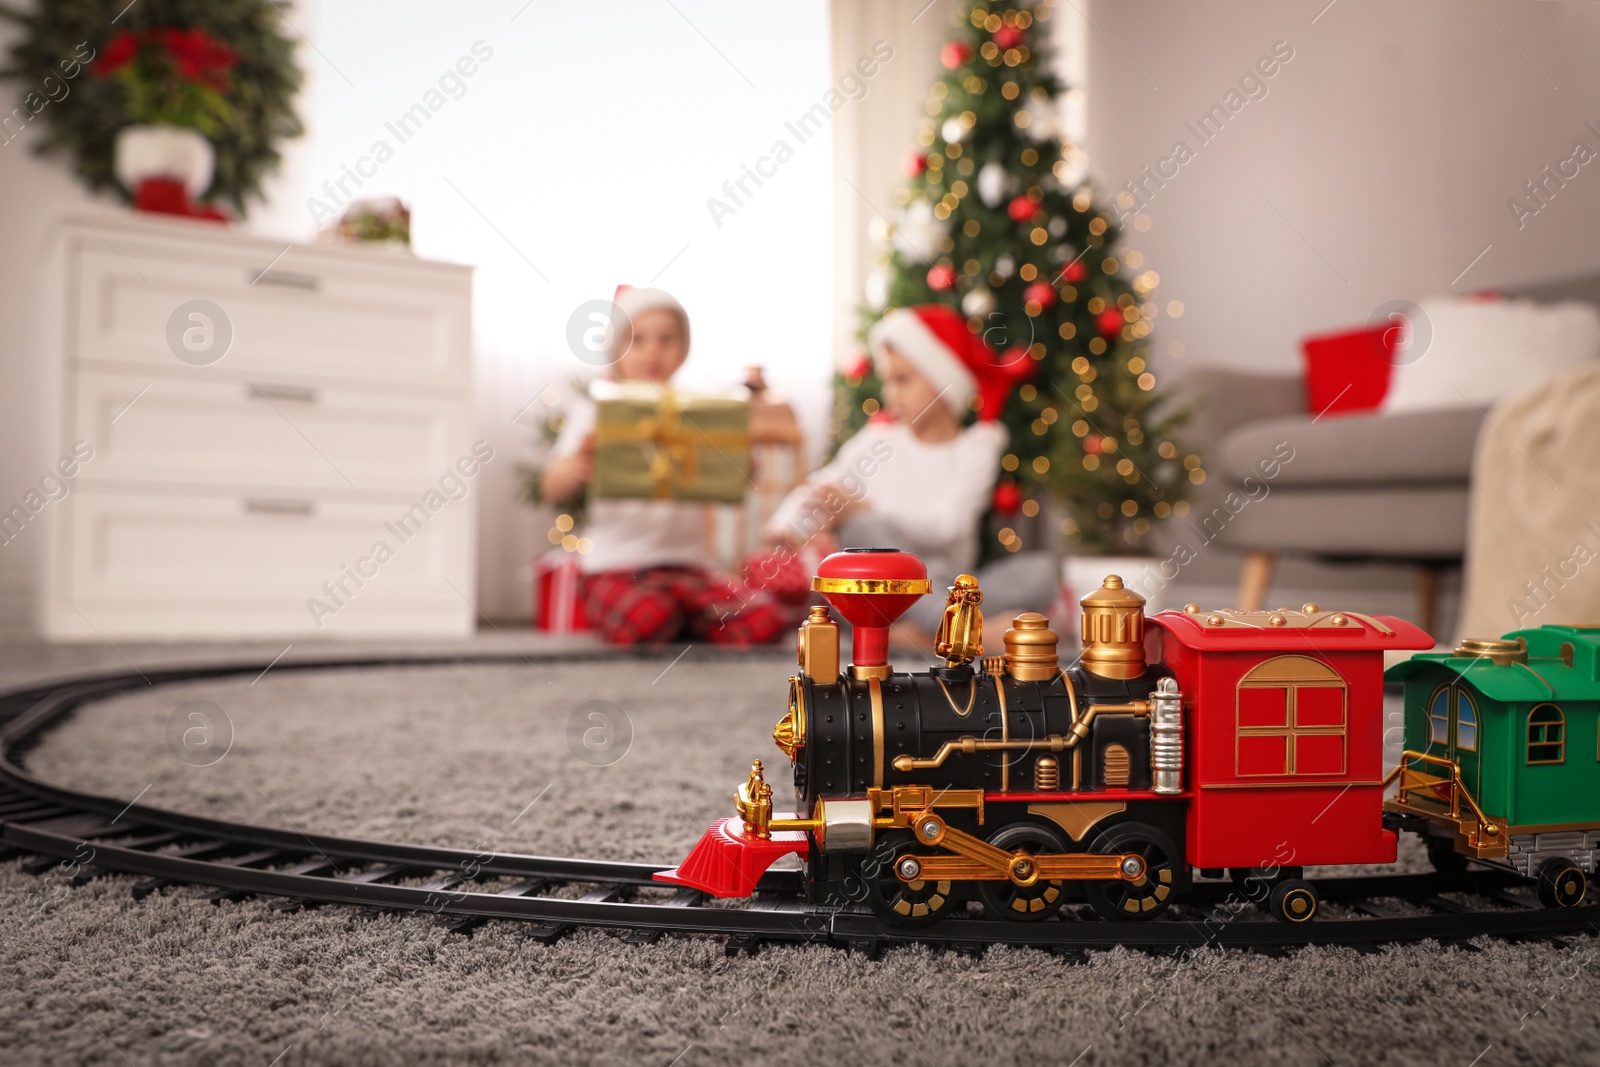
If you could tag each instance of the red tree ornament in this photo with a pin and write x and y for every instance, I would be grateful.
(1008, 37)
(1110, 322)
(955, 54)
(859, 369)
(941, 277)
(914, 164)
(1021, 209)
(1041, 293)
(1007, 498)
(1075, 272)
(1092, 445)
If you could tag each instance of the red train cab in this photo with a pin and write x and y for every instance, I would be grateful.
(1285, 732)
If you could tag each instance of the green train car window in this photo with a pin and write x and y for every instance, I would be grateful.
(1466, 723)
(1546, 734)
(1439, 718)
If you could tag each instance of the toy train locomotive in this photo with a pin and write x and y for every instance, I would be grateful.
(1241, 742)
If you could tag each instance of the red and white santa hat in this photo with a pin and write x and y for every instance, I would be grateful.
(634, 300)
(936, 341)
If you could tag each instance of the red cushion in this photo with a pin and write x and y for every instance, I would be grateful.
(1349, 371)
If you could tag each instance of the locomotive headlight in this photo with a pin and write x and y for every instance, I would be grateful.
(790, 733)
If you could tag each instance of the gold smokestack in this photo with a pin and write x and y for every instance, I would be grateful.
(1113, 630)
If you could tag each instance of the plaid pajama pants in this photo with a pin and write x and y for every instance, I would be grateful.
(662, 604)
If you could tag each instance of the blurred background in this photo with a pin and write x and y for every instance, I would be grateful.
(257, 317)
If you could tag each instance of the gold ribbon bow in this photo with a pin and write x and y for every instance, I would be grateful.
(672, 449)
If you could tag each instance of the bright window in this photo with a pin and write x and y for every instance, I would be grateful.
(1439, 718)
(1547, 741)
(1466, 723)
(569, 161)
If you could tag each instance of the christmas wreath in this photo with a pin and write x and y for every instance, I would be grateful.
(86, 68)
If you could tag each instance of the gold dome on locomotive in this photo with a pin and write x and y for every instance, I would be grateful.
(1113, 630)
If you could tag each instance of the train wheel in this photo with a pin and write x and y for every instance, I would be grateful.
(1294, 900)
(1007, 900)
(894, 900)
(1256, 884)
(1151, 894)
(1444, 857)
(1562, 884)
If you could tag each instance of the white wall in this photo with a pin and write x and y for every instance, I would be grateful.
(1391, 143)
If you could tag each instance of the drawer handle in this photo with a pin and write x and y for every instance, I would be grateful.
(302, 394)
(271, 506)
(289, 279)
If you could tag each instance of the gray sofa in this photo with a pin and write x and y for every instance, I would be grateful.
(1368, 487)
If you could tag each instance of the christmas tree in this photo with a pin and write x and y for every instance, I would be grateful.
(997, 220)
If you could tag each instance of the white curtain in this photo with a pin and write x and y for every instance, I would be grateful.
(872, 135)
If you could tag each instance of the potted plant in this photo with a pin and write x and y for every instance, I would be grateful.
(176, 85)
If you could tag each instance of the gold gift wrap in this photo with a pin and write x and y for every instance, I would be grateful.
(654, 443)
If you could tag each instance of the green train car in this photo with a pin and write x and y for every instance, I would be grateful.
(1502, 756)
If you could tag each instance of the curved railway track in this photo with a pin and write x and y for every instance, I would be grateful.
(72, 837)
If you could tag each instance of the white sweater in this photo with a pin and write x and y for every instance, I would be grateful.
(929, 496)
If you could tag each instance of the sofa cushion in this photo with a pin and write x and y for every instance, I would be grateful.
(1465, 351)
(1421, 522)
(1349, 371)
(1413, 448)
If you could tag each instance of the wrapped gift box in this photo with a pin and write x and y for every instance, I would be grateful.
(558, 594)
(654, 443)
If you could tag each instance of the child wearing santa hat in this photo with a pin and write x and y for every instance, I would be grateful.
(646, 580)
(921, 480)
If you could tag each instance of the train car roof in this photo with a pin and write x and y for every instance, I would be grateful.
(1561, 663)
(1310, 629)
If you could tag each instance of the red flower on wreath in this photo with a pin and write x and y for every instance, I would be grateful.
(118, 53)
(197, 56)
(200, 57)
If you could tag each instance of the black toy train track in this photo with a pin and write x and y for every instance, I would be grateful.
(71, 837)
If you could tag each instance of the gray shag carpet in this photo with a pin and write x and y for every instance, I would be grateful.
(455, 755)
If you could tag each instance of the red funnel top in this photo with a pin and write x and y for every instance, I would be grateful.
(870, 588)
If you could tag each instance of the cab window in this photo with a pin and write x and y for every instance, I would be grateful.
(1547, 729)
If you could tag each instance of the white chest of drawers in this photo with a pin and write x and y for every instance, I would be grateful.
(317, 478)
